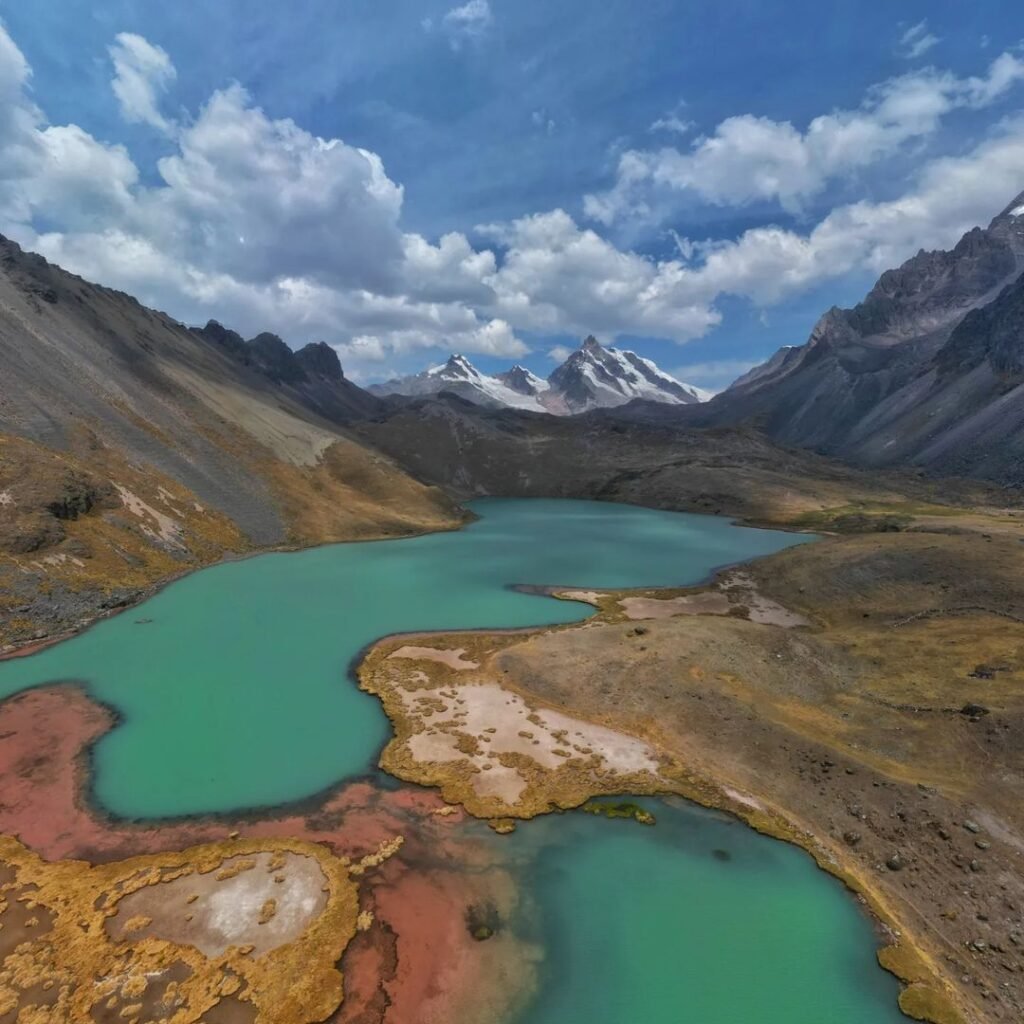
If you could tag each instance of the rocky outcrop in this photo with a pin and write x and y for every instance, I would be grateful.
(272, 357)
(318, 359)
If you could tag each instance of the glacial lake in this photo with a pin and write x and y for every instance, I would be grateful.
(696, 920)
(234, 689)
(234, 684)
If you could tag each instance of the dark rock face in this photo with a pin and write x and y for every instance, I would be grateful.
(994, 333)
(275, 359)
(519, 379)
(318, 359)
(924, 371)
(268, 354)
(232, 342)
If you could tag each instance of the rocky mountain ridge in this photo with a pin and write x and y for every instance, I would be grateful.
(926, 371)
(592, 377)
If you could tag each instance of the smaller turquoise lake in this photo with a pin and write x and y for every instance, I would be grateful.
(697, 920)
(234, 684)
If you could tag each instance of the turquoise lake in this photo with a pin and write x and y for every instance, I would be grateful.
(696, 920)
(234, 684)
(235, 691)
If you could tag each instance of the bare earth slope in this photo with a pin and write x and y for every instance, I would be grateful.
(132, 448)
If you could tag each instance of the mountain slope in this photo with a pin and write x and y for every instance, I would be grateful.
(593, 377)
(132, 448)
(924, 371)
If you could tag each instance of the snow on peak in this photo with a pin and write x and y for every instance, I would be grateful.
(592, 377)
(595, 376)
(1017, 211)
(522, 380)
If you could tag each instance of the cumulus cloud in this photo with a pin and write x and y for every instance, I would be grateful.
(916, 41)
(252, 220)
(559, 278)
(559, 353)
(261, 199)
(265, 226)
(952, 195)
(142, 72)
(749, 158)
(467, 23)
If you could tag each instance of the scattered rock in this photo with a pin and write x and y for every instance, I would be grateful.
(482, 920)
(974, 711)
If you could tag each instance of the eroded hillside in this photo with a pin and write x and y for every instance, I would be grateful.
(133, 448)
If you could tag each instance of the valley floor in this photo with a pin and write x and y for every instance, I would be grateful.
(861, 697)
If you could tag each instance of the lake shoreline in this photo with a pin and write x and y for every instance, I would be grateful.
(721, 785)
(910, 951)
(26, 648)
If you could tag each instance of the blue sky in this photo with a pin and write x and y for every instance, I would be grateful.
(697, 180)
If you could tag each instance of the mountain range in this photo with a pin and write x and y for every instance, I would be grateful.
(927, 371)
(592, 377)
(133, 447)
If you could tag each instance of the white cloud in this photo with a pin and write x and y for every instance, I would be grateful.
(261, 199)
(252, 220)
(259, 223)
(749, 158)
(559, 353)
(674, 122)
(714, 375)
(467, 23)
(559, 278)
(142, 72)
(952, 195)
(916, 41)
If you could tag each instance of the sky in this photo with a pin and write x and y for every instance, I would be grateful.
(698, 180)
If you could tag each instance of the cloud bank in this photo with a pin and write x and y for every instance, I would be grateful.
(266, 226)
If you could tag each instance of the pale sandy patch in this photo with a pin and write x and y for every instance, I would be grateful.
(737, 591)
(711, 603)
(502, 722)
(586, 596)
(451, 658)
(212, 912)
(743, 799)
(163, 527)
(6, 498)
(762, 609)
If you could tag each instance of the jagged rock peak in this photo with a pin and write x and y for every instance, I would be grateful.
(524, 382)
(320, 360)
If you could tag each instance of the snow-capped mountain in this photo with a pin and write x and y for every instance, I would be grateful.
(462, 378)
(593, 377)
